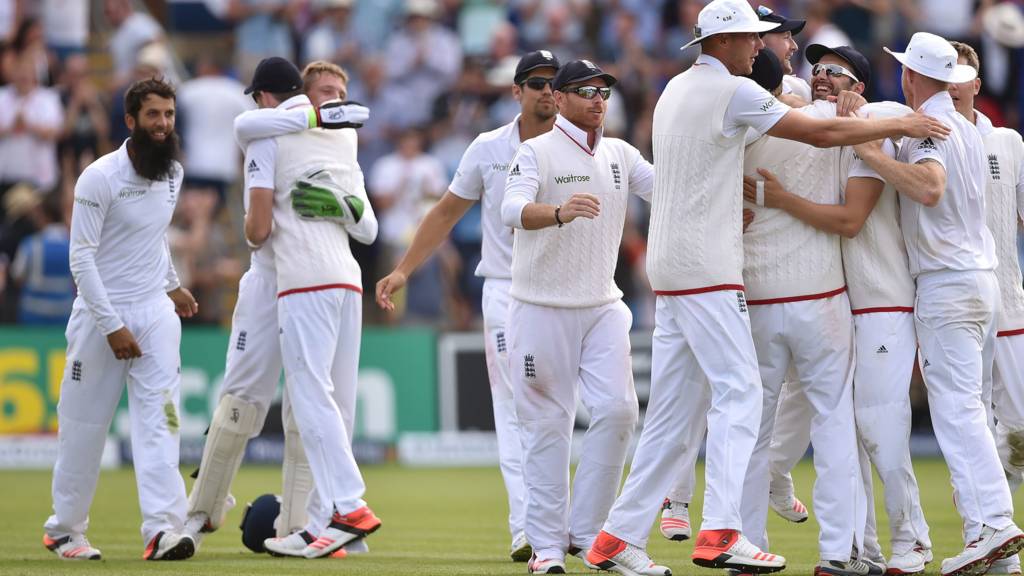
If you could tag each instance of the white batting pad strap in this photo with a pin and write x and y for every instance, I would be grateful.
(234, 422)
(759, 193)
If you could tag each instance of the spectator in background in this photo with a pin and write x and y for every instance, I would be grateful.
(423, 60)
(31, 120)
(150, 64)
(678, 20)
(29, 44)
(132, 31)
(66, 26)
(262, 28)
(370, 89)
(208, 105)
(536, 18)
(403, 187)
(86, 133)
(333, 38)
(41, 272)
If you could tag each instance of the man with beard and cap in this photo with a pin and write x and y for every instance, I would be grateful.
(703, 359)
(124, 328)
(1004, 207)
(952, 258)
(881, 294)
(253, 365)
(481, 178)
(568, 329)
(319, 297)
(780, 41)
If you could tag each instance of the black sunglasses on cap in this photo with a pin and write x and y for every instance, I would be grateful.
(537, 82)
(588, 92)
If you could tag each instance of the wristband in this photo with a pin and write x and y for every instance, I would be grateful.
(557, 218)
(759, 198)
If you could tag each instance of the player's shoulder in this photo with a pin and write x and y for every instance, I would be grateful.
(499, 136)
(620, 147)
(884, 109)
(1008, 134)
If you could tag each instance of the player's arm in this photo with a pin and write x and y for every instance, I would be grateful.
(364, 230)
(520, 208)
(641, 175)
(922, 178)
(89, 212)
(184, 302)
(843, 219)
(271, 122)
(829, 132)
(259, 182)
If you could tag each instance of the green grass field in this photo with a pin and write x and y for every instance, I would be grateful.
(436, 521)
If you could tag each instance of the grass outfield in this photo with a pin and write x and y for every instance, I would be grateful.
(436, 521)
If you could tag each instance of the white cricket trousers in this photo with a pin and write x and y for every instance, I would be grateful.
(955, 317)
(816, 336)
(703, 373)
(555, 354)
(90, 390)
(495, 305)
(320, 335)
(1008, 399)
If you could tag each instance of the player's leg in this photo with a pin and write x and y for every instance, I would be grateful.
(310, 324)
(544, 345)
(790, 439)
(954, 316)
(871, 551)
(154, 387)
(607, 391)
(90, 390)
(297, 489)
(251, 373)
(886, 346)
(506, 426)
(675, 510)
(820, 333)
(1008, 401)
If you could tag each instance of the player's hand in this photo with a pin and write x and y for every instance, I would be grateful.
(847, 102)
(335, 114)
(580, 206)
(317, 200)
(387, 286)
(184, 302)
(918, 125)
(772, 189)
(748, 217)
(123, 343)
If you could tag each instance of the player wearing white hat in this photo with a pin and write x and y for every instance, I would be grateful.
(702, 332)
(566, 196)
(123, 328)
(253, 365)
(481, 178)
(952, 257)
(1004, 207)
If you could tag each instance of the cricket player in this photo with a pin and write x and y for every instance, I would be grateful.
(319, 301)
(254, 363)
(702, 331)
(952, 257)
(481, 178)
(1004, 207)
(881, 293)
(568, 328)
(123, 328)
(780, 41)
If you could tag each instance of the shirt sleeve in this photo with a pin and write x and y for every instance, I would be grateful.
(521, 186)
(270, 122)
(364, 231)
(641, 174)
(92, 201)
(860, 169)
(260, 163)
(468, 182)
(752, 106)
(919, 150)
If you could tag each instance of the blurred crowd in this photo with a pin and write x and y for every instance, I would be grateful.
(434, 73)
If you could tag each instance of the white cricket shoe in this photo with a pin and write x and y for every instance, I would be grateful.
(1009, 565)
(75, 547)
(170, 546)
(990, 546)
(520, 550)
(582, 555)
(293, 544)
(852, 567)
(343, 529)
(616, 555)
(789, 507)
(675, 520)
(909, 562)
(545, 565)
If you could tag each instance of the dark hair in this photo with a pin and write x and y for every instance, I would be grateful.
(138, 91)
(20, 40)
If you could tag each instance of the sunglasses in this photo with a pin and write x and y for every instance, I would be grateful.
(763, 11)
(537, 82)
(832, 70)
(588, 92)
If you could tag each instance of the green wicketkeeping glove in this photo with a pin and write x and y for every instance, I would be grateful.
(312, 201)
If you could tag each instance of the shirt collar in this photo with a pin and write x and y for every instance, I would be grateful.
(941, 100)
(983, 123)
(295, 102)
(577, 134)
(709, 60)
(516, 139)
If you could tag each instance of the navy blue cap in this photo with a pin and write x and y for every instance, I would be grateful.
(767, 70)
(275, 75)
(859, 65)
(580, 71)
(765, 14)
(533, 60)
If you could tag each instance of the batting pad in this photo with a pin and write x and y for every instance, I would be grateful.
(297, 480)
(234, 422)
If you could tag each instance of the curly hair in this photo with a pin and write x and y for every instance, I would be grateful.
(138, 91)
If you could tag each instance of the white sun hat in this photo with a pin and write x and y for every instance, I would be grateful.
(933, 56)
(727, 17)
